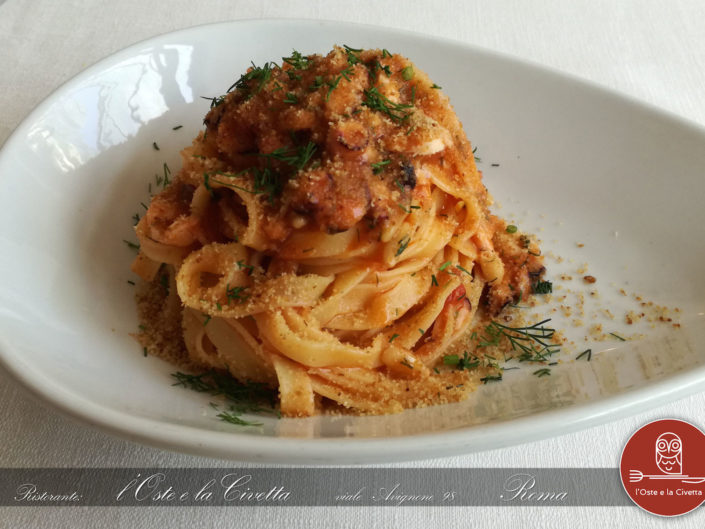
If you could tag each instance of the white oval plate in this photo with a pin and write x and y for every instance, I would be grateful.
(620, 177)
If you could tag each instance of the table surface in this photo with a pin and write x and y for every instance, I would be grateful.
(650, 49)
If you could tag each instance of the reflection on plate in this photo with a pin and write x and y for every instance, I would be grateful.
(620, 178)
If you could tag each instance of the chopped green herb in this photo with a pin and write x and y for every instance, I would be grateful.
(382, 68)
(491, 378)
(406, 363)
(245, 397)
(385, 53)
(177, 127)
(435, 86)
(422, 331)
(130, 282)
(542, 287)
(403, 243)
(207, 185)
(408, 73)
(291, 98)
(317, 83)
(444, 266)
(236, 294)
(333, 84)
(297, 61)
(511, 228)
(463, 270)
(531, 342)
(477, 158)
(254, 80)
(378, 167)
(542, 372)
(131, 245)
(155, 146)
(375, 100)
(236, 419)
(167, 172)
(466, 362)
(296, 157)
(241, 264)
(451, 360)
(434, 281)
(208, 318)
(394, 337)
(618, 337)
(587, 352)
(215, 101)
(144, 351)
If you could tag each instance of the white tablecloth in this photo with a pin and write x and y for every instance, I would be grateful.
(651, 49)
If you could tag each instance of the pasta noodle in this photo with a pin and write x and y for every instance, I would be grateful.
(329, 235)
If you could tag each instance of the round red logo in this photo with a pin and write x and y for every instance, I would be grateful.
(663, 467)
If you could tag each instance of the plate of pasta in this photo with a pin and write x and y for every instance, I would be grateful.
(355, 244)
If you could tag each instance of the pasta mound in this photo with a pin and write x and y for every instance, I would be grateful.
(329, 235)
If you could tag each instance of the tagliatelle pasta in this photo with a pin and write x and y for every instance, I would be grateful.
(329, 235)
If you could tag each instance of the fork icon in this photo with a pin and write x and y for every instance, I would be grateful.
(635, 476)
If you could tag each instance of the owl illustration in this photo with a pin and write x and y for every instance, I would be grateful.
(669, 453)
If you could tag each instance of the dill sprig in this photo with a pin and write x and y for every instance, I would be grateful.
(542, 287)
(587, 352)
(467, 361)
(403, 243)
(267, 180)
(247, 397)
(236, 293)
(131, 245)
(351, 53)
(333, 83)
(215, 101)
(465, 270)
(375, 100)
(241, 265)
(296, 157)
(232, 418)
(253, 81)
(297, 61)
(378, 167)
(531, 342)
(491, 378)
